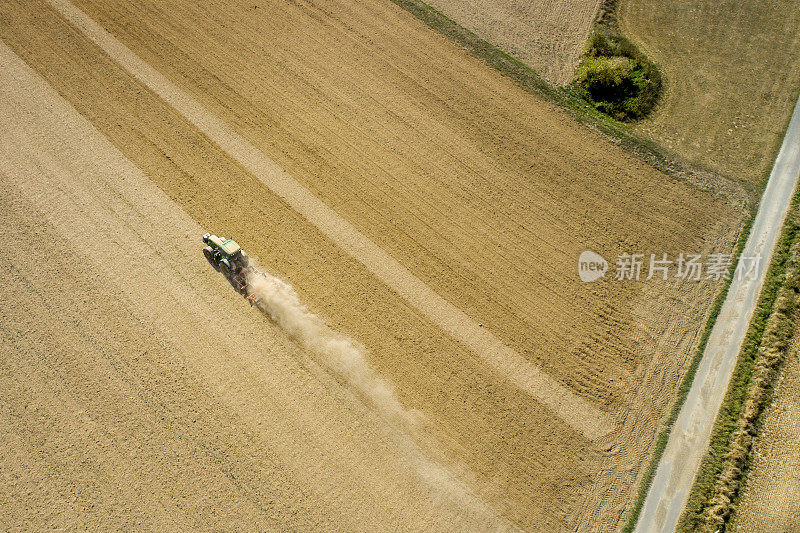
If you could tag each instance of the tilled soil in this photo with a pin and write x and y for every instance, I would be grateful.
(483, 193)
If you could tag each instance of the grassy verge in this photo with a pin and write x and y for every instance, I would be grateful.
(567, 98)
(685, 386)
(716, 488)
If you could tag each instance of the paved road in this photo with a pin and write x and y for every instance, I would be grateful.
(690, 436)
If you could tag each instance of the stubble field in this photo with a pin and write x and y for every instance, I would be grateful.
(484, 194)
(731, 71)
(547, 36)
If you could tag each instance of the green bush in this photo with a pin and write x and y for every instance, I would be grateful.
(617, 78)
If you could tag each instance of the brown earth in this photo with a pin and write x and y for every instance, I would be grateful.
(771, 496)
(484, 192)
(135, 398)
(732, 71)
(548, 36)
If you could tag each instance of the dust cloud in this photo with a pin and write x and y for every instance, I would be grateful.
(348, 359)
(342, 355)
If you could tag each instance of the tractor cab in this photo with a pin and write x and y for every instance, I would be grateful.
(225, 255)
(227, 247)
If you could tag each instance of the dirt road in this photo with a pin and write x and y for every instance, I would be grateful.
(689, 439)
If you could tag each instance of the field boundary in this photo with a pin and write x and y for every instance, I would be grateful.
(607, 15)
(738, 194)
(771, 223)
(743, 196)
(714, 494)
(686, 383)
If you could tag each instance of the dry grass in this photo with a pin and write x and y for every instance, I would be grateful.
(548, 36)
(732, 71)
(717, 488)
(771, 357)
(771, 495)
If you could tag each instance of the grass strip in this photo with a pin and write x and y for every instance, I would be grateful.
(567, 98)
(716, 488)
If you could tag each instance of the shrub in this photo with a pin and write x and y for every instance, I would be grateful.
(617, 78)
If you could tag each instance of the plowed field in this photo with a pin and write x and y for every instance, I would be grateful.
(422, 205)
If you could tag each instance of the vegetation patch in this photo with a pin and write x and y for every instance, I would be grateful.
(616, 77)
(570, 99)
(716, 490)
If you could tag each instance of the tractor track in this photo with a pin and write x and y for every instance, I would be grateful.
(426, 217)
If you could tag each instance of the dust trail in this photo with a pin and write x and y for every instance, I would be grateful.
(347, 358)
(342, 355)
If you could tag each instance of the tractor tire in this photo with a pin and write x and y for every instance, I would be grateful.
(225, 267)
(208, 252)
(245, 260)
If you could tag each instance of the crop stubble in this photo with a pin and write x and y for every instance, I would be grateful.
(429, 153)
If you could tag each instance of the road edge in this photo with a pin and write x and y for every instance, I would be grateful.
(733, 405)
(787, 152)
(688, 380)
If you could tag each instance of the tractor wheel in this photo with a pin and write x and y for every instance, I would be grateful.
(225, 267)
(209, 253)
(245, 260)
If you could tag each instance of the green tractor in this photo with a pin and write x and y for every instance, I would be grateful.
(226, 256)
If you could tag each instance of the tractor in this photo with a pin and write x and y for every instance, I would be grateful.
(226, 256)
